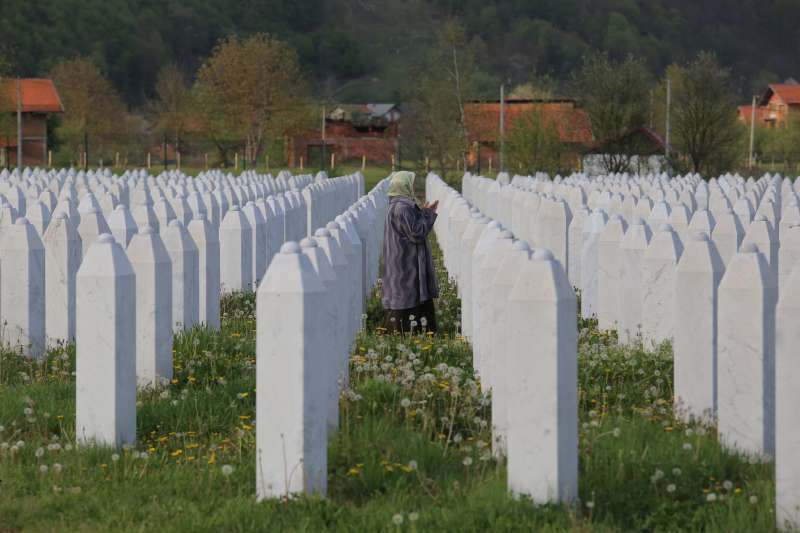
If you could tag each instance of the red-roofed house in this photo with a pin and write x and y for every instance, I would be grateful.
(483, 126)
(39, 98)
(774, 106)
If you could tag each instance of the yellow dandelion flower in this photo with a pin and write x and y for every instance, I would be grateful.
(177, 453)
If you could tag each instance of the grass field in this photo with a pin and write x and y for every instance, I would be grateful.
(411, 453)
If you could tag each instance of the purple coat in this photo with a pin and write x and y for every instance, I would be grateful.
(408, 275)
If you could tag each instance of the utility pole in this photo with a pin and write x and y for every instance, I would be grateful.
(502, 127)
(322, 159)
(19, 124)
(752, 130)
(668, 126)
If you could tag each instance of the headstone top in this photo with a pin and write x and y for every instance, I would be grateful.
(105, 238)
(21, 221)
(332, 225)
(174, 223)
(146, 230)
(666, 227)
(521, 245)
(748, 248)
(120, 207)
(638, 221)
(700, 236)
(308, 243)
(290, 247)
(322, 232)
(760, 218)
(542, 254)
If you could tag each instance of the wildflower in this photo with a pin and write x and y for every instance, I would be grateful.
(590, 505)
(412, 465)
(413, 516)
(754, 499)
(458, 438)
(2, 429)
(671, 487)
(68, 447)
(397, 519)
(114, 457)
(143, 455)
(617, 432)
(405, 403)
(164, 395)
(28, 411)
(43, 469)
(54, 447)
(727, 485)
(467, 461)
(676, 471)
(227, 470)
(57, 468)
(39, 452)
(687, 445)
(711, 497)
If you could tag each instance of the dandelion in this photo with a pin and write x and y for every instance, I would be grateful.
(54, 447)
(114, 457)
(57, 468)
(143, 455)
(617, 432)
(405, 403)
(676, 471)
(711, 497)
(754, 499)
(413, 516)
(28, 411)
(68, 447)
(43, 469)
(174, 402)
(164, 395)
(687, 445)
(467, 461)
(671, 487)
(397, 519)
(227, 470)
(412, 465)
(727, 485)
(590, 505)
(39, 452)
(458, 438)
(2, 429)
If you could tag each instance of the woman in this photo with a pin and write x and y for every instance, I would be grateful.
(409, 280)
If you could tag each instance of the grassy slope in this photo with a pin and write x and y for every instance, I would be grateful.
(413, 442)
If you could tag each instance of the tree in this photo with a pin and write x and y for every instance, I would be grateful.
(704, 124)
(249, 92)
(616, 97)
(172, 108)
(435, 125)
(534, 144)
(93, 109)
(781, 144)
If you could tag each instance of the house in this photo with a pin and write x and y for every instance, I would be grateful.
(647, 146)
(774, 106)
(39, 98)
(483, 127)
(352, 131)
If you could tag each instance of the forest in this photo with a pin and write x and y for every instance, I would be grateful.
(356, 50)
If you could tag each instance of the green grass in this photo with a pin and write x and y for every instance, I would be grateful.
(413, 444)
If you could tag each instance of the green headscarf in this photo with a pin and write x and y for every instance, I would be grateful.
(402, 184)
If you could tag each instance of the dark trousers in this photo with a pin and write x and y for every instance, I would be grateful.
(399, 320)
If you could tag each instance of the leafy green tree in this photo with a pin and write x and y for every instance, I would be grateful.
(94, 110)
(172, 108)
(781, 144)
(533, 144)
(706, 133)
(249, 92)
(616, 97)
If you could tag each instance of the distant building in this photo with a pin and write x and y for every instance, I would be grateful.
(649, 150)
(39, 99)
(352, 131)
(774, 107)
(483, 127)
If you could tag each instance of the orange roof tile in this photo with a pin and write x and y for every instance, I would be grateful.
(38, 95)
(483, 119)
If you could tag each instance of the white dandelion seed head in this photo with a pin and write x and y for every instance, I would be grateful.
(397, 519)
(617, 432)
(68, 447)
(676, 471)
(727, 484)
(413, 516)
(687, 445)
(227, 470)
(590, 505)
(43, 469)
(28, 411)
(412, 465)
(711, 497)
(115, 457)
(39, 452)
(753, 499)
(57, 467)
(671, 487)
(467, 461)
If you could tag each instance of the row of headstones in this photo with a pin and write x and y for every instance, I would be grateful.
(117, 289)
(308, 310)
(715, 293)
(519, 313)
(38, 277)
